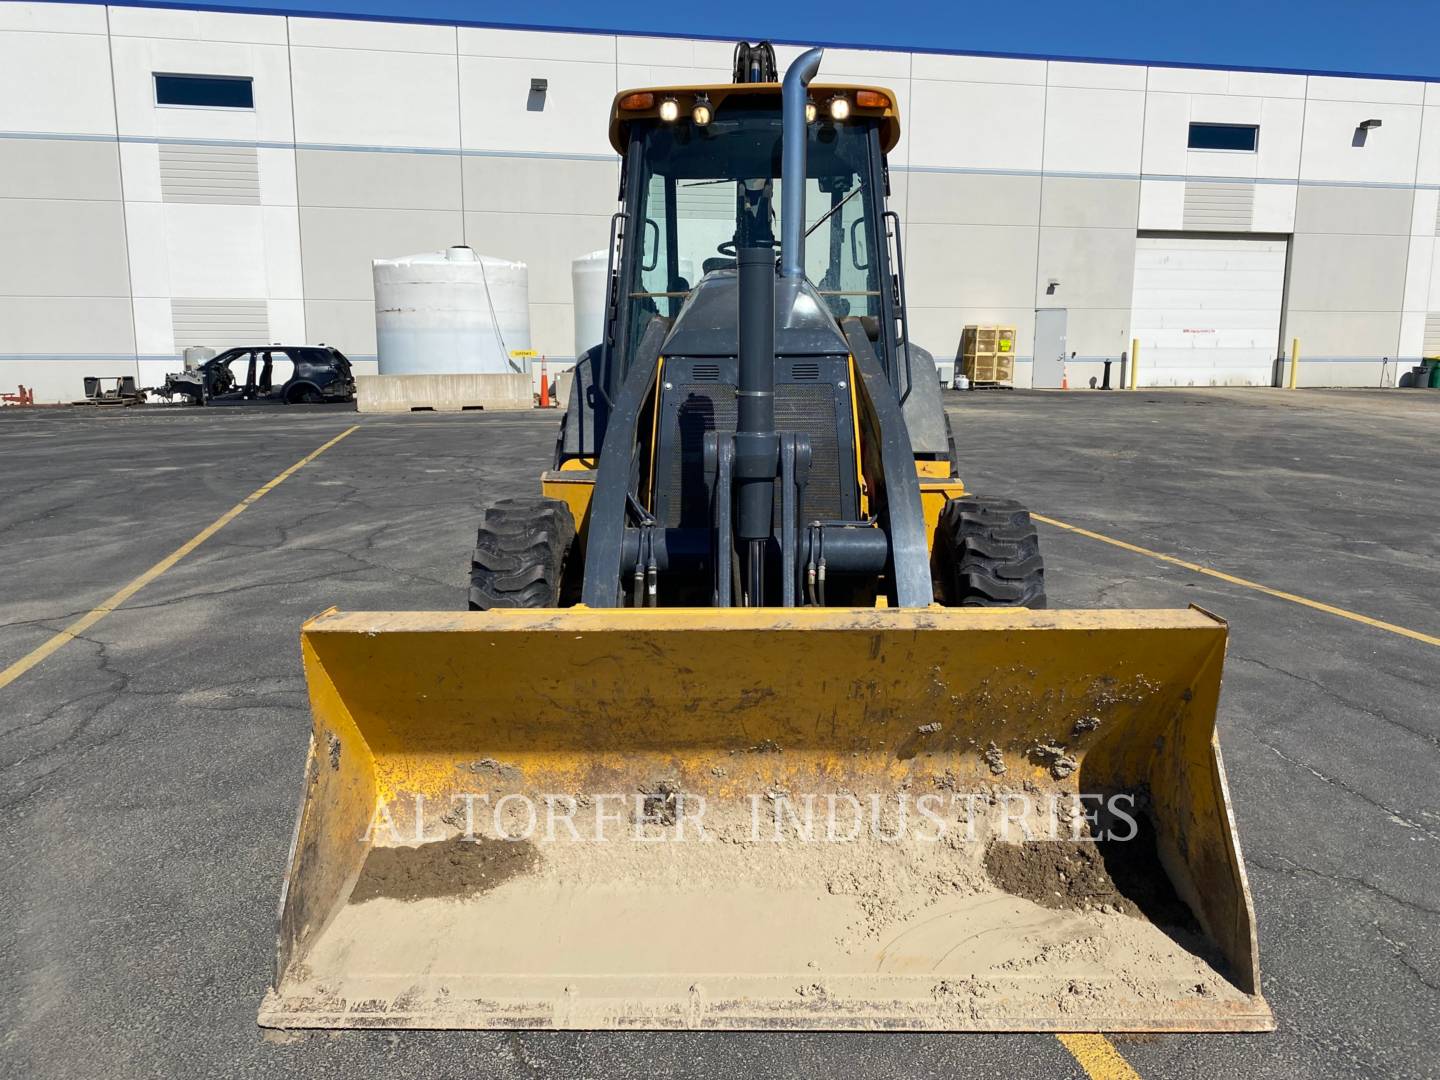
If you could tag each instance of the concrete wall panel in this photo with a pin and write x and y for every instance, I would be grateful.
(338, 245)
(349, 325)
(1094, 131)
(62, 247)
(947, 198)
(29, 59)
(546, 243)
(1334, 272)
(500, 113)
(971, 265)
(58, 169)
(1381, 211)
(1094, 267)
(978, 125)
(198, 25)
(1388, 154)
(46, 326)
(1325, 335)
(378, 181)
(137, 59)
(1096, 204)
(369, 97)
(532, 185)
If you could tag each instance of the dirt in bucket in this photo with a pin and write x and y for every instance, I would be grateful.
(1116, 876)
(454, 867)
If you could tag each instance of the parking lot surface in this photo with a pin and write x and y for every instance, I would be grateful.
(150, 768)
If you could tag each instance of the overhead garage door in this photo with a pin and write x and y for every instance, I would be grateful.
(1206, 310)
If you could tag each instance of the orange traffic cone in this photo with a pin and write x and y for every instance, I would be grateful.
(544, 386)
(1064, 376)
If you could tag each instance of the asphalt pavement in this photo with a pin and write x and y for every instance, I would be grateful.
(150, 768)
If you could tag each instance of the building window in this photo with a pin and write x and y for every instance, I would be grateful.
(1224, 137)
(205, 91)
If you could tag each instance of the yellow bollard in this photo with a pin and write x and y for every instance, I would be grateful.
(1294, 362)
(1134, 361)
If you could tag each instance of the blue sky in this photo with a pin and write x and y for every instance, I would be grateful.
(1390, 37)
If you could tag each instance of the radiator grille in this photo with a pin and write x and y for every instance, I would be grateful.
(703, 407)
(711, 407)
(811, 408)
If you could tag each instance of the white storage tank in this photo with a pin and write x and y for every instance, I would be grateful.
(587, 279)
(451, 311)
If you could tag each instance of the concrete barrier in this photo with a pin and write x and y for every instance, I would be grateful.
(563, 381)
(441, 393)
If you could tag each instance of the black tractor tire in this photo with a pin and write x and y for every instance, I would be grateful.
(520, 554)
(987, 554)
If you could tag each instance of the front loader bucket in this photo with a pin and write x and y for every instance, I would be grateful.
(766, 819)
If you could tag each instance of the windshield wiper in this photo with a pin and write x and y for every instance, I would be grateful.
(826, 216)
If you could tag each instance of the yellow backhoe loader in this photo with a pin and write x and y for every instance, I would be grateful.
(758, 718)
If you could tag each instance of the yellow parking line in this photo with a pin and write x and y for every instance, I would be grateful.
(1097, 1055)
(1329, 609)
(90, 618)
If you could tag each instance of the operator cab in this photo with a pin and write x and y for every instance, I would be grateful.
(703, 176)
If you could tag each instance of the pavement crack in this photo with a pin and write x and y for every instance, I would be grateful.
(1341, 699)
(1290, 867)
(1396, 815)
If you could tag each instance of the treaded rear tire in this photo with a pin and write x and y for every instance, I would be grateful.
(987, 554)
(520, 553)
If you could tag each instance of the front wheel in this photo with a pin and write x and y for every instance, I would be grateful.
(521, 550)
(987, 554)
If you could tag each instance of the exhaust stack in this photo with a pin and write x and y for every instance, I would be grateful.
(792, 164)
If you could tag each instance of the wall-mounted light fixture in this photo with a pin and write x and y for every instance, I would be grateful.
(1363, 129)
(538, 89)
(1051, 286)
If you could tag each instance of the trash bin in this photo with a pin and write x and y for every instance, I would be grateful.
(1431, 368)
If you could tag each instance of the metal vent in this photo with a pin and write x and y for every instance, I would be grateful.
(1219, 206)
(805, 370)
(191, 173)
(1432, 334)
(221, 324)
(706, 372)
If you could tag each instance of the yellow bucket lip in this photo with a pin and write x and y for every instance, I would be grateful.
(728, 619)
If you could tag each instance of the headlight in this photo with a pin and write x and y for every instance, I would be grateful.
(811, 112)
(669, 110)
(839, 108)
(702, 113)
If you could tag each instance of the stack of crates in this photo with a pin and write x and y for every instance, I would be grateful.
(987, 355)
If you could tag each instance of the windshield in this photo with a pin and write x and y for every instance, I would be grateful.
(703, 189)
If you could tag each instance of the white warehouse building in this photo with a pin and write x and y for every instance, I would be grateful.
(1214, 215)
